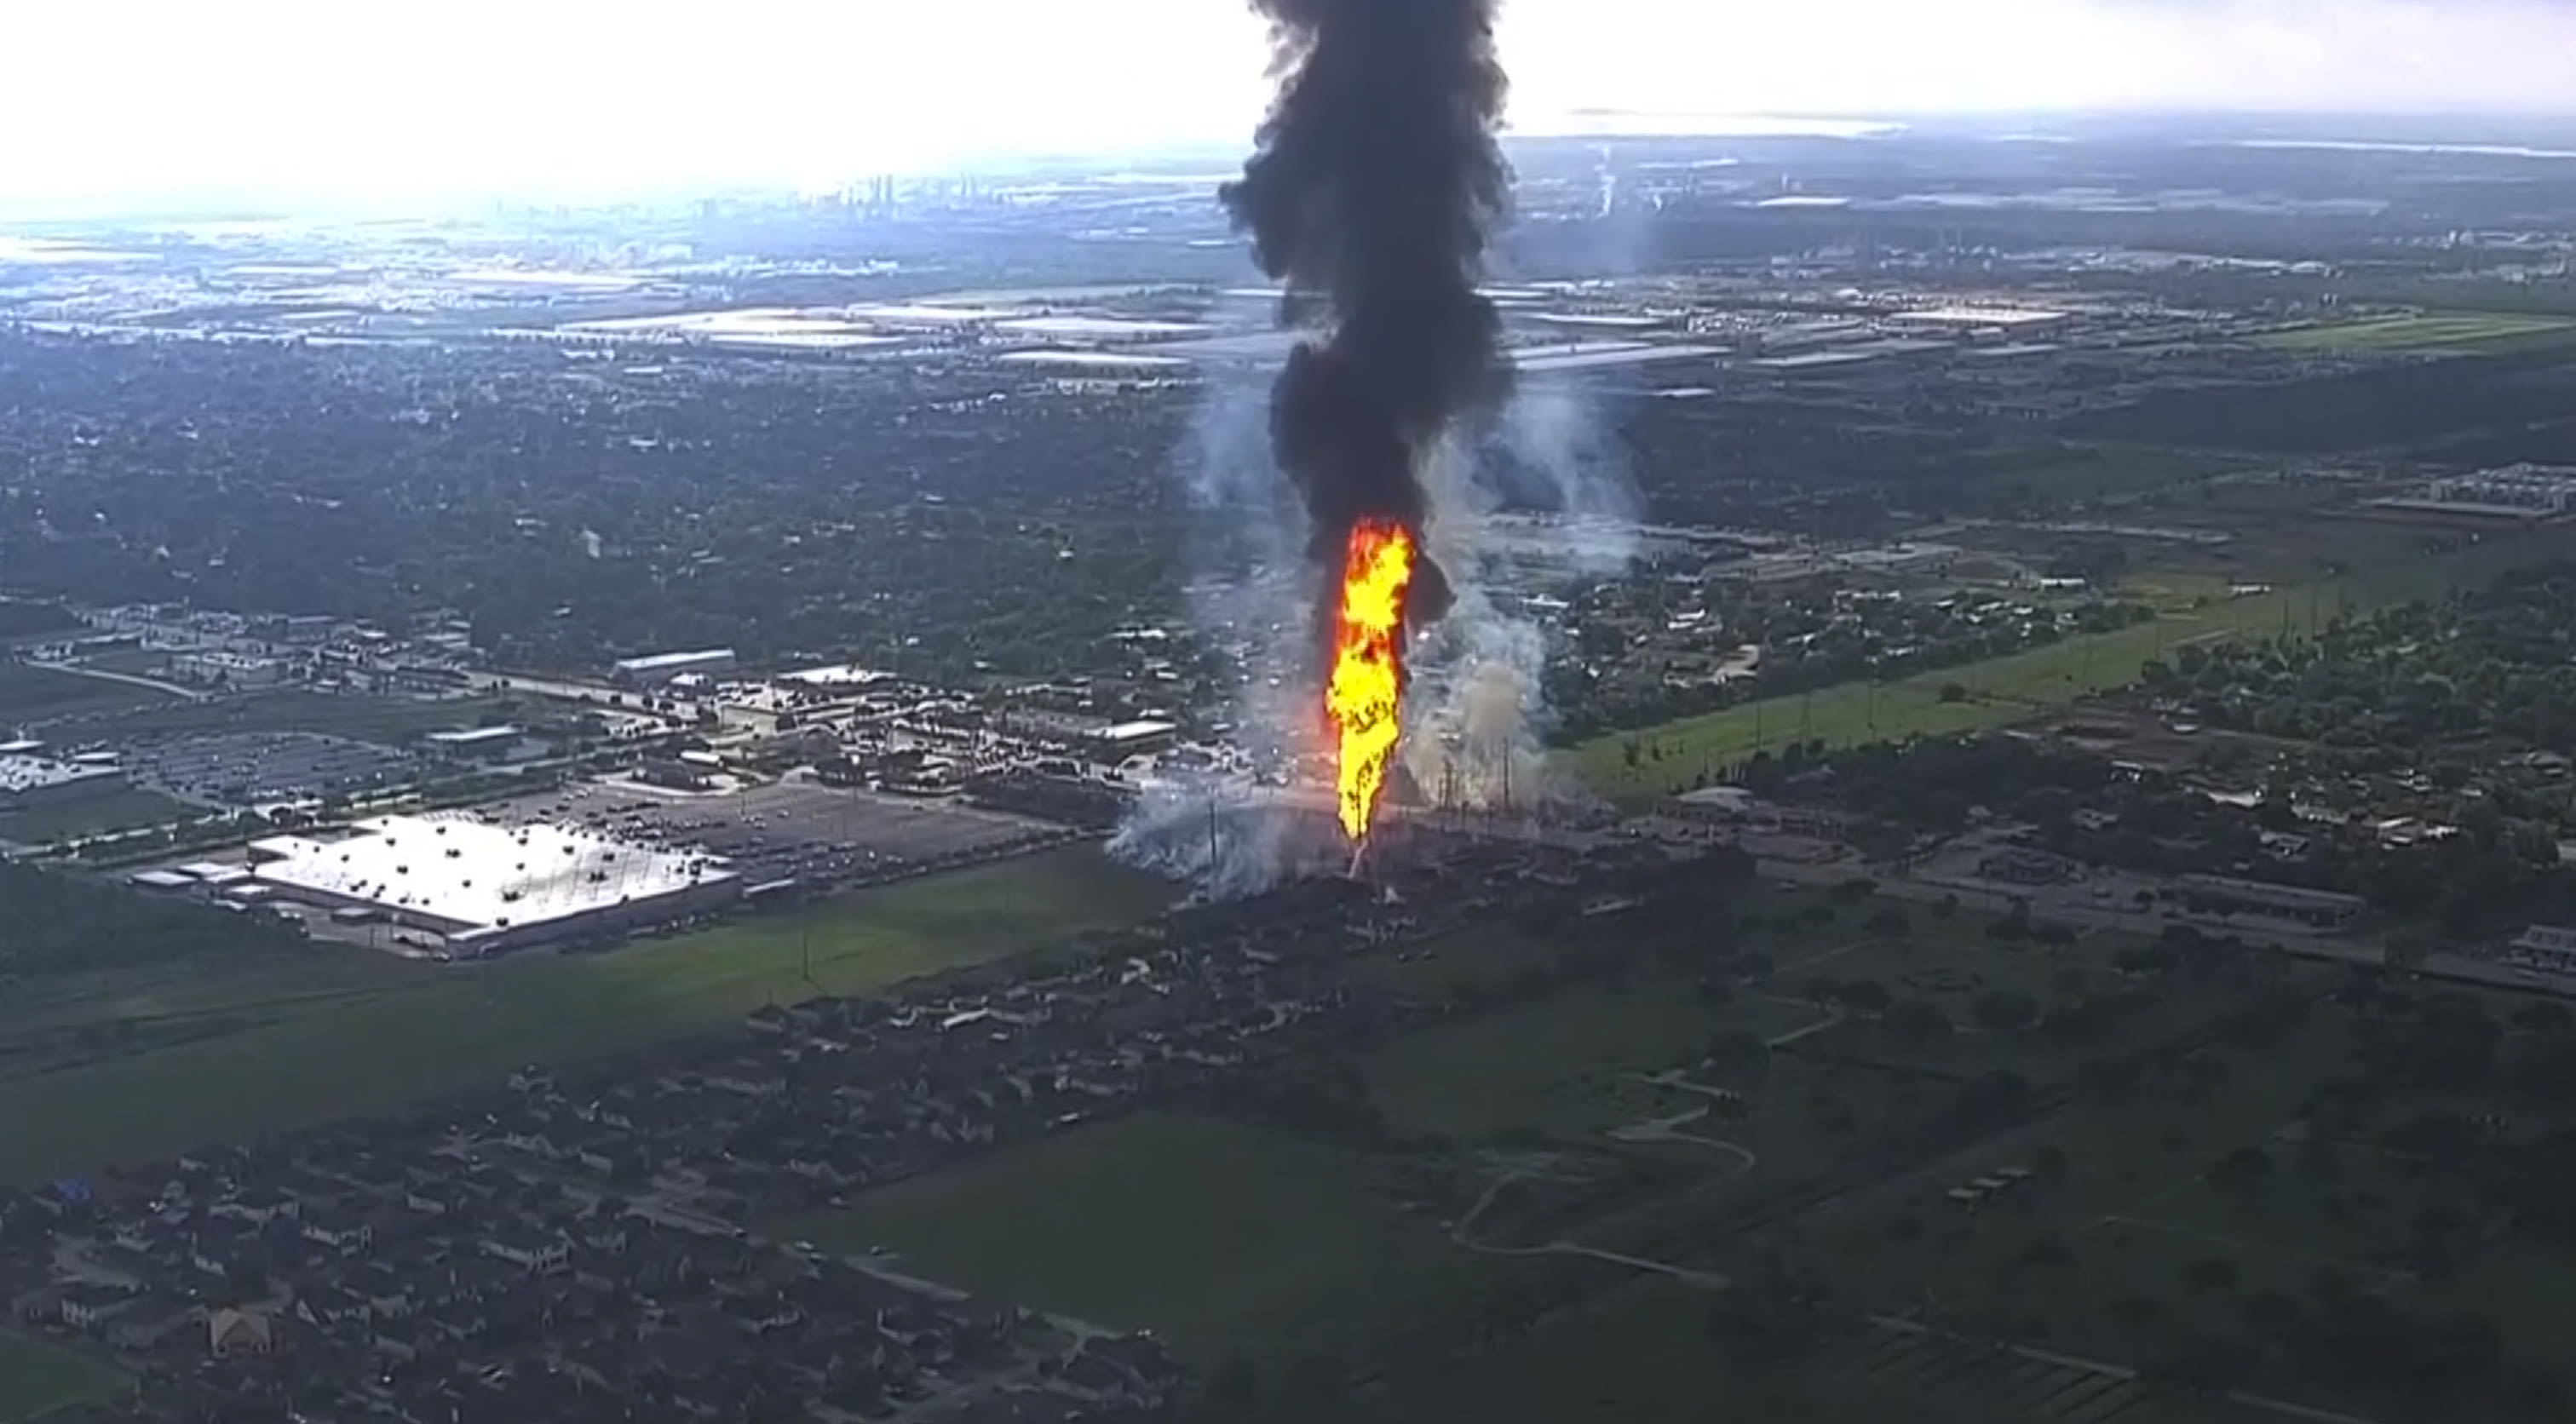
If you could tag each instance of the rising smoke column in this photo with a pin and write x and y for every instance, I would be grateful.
(1375, 185)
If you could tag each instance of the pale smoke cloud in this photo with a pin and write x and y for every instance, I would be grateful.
(1477, 713)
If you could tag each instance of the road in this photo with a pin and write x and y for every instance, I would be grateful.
(129, 679)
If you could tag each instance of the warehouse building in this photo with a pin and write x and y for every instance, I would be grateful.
(661, 668)
(476, 743)
(2224, 894)
(473, 889)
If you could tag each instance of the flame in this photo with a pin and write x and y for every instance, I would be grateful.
(1363, 697)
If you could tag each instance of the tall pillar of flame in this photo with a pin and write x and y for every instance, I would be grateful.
(1364, 694)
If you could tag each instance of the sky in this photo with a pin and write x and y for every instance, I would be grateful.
(573, 98)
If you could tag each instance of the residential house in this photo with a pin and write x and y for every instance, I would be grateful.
(536, 1253)
(326, 1305)
(239, 1332)
(88, 1306)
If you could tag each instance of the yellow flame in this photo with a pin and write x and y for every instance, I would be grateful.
(1362, 698)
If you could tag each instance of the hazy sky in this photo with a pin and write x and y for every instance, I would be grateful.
(120, 96)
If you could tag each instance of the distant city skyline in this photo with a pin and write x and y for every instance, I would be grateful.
(292, 99)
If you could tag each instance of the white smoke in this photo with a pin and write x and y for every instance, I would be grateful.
(1224, 837)
(1477, 708)
(1249, 595)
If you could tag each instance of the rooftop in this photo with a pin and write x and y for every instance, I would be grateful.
(465, 874)
(20, 774)
(671, 660)
(472, 736)
(1979, 316)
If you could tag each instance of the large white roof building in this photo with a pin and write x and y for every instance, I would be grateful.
(27, 779)
(482, 887)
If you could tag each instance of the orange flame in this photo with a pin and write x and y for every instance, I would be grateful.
(1362, 699)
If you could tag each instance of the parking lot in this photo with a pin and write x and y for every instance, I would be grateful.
(814, 833)
(260, 768)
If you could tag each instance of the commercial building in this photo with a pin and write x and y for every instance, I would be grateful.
(2546, 947)
(2228, 895)
(473, 888)
(43, 781)
(224, 669)
(660, 668)
(1737, 808)
(476, 743)
(1126, 739)
(2524, 492)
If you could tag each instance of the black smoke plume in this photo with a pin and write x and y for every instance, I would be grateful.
(1371, 195)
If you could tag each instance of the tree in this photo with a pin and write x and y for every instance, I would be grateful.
(2405, 950)
(2544, 1016)
(2048, 1163)
(1866, 996)
(2271, 1310)
(2048, 1249)
(1915, 1023)
(2539, 1391)
(1313, 1388)
(2211, 1273)
(1738, 1051)
(2242, 1170)
(2005, 1011)
(2206, 1361)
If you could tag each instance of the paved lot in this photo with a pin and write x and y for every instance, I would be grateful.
(801, 829)
(253, 768)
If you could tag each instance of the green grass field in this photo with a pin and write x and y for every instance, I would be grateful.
(1564, 1064)
(1226, 1239)
(2107, 472)
(30, 694)
(37, 1379)
(1999, 692)
(366, 719)
(1636, 1356)
(386, 1034)
(2439, 333)
(117, 811)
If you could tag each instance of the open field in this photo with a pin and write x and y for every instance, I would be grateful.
(1228, 1240)
(2433, 333)
(2108, 472)
(37, 1379)
(116, 811)
(351, 1048)
(1639, 1355)
(1995, 693)
(365, 719)
(2137, 1242)
(1565, 1064)
(29, 694)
